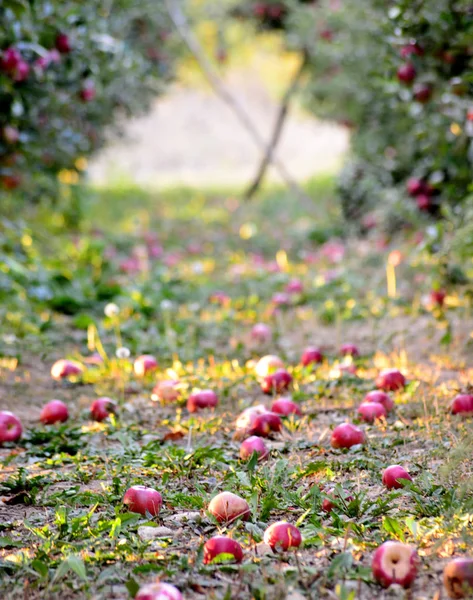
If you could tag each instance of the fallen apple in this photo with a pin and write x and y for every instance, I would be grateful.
(158, 591)
(285, 407)
(370, 411)
(328, 504)
(462, 405)
(227, 507)
(276, 382)
(167, 390)
(458, 578)
(268, 364)
(265, 424)
(394, 562)
(65, 368)
(347, 435)
(102, 408)
(248, 416)
(381, 398)
(10, 427)
(54, 412)
(282, 536)
(142, 500)
(390, 380)
(222, 549)
(144, 364)
(261, 333)
(311, 355)
(253, 444)
(349, 350)
(201, 400)
(394, 477)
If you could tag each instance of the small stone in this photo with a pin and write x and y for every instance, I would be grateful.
(263, 548)
(151, 533)
(185, 517)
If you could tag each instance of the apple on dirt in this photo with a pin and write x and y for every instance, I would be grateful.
(144, 364)
(458, 578)
(102, 408)
(390, 380)
(227, 507)
(350, 350)
(370, 411)
(328, 503)
(276, 382)
(380, 397)
(10, 427)
(282, 536)
(202, 399)
(265, 424)
(158, 591)
(64, 368)
(395, 563)
(142, 500)
(251, 445)
(395, 476)
(285, 406)
(462, 405)
(261, 333)
(54, 412)
(167, 390)
(222, 549)
(246, 419)
(311, 355)
(268, 364)
(347, 435)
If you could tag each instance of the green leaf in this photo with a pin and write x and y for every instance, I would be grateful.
(132, 587)
(393, 527)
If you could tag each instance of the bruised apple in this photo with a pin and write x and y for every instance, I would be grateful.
(394, 562)
(227, 507)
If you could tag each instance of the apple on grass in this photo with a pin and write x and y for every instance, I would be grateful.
(222, 549)
(347, 435)
(54, 412)
(64, 368)
(202, 399)
(458, 578)
(102, 408)
(265, 424)
(380, 397)
(394, 477)
(390, 380)
(394, 562)
(285, 406)
(328, 503)
(311, 355)
(276, 382)
(350, 350)
(10, 427)
(142, 500)
(282, 536)
(251, 445)
(462, 405)
(144, 364)
(158, 591)
(227, 507)
(370, 411)
(268, 364)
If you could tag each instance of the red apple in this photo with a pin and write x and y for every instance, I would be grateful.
(268, 364)
(21, 72)
(158, 591)
(381, 398)
(144, 364)
(65, 368)
(423, 92)
(261, 333)
(167, 390)
(394, 476)
(349, 350)
(458, 578)
(462, 404)
(63, 43)
(282, 536)
(248, 416)
(390, 380)
(437, 297)
(88, 91)
(285, 406)
(411, 48)
(222, 549)
(10, 427)
(276, 382)
(54, 412)
(394, 562)
(251, 445)
(227, 507)
(311, 355)
(423, 202)
(202, 399)
(263, 425)
(295, 286)
(11, 58)
(102, 408)
(406, 73)
(140, 499)
(328, 505)
(414, 186)
(347, 435)
(370, 411)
